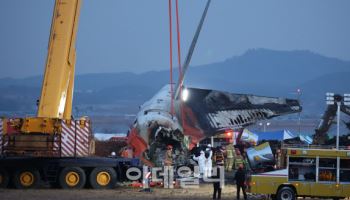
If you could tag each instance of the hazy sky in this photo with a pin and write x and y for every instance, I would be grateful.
(132, 35)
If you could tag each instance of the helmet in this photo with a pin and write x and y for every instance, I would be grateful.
(209, 145)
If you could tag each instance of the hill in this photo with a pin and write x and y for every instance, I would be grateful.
(257, 71)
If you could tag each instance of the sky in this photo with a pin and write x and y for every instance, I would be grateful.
(133, 35)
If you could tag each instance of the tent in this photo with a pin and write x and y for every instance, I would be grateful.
(275, 135)
(282, 135)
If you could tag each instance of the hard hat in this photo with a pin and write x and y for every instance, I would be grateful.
(209, 145)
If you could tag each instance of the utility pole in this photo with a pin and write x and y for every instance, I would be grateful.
(346, 100)
(338, 123)
(299, 114)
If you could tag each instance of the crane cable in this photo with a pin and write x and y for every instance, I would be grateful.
(171, 61)
(179, 59)
(178, 38)
(171, 51)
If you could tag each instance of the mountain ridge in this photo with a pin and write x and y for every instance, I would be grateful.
(257, 71)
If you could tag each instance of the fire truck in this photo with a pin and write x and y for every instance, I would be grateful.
(310, 172)
(52, 146)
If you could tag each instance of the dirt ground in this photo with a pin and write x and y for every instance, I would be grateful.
(120, 193)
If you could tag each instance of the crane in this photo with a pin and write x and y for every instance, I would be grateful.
(57, 87)
(52, 146)
(326, 122)
(38, 134)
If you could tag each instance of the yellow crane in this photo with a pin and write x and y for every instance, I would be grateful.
(52, 146)
(57, 88)
(38, 135)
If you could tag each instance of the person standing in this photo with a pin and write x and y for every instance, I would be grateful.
(217, 180)
(238, 159)
(208, 161)
(240, 178)
(168, 160)
(229, 157)
(219, 157)
(201, 162)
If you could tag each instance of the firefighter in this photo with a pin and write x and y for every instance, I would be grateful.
(229, 157)
(238, 160)
(219, 157)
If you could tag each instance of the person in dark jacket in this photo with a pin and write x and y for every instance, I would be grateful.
(240, 178)
(217, 183)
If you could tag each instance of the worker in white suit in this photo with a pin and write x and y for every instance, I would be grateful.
(208, 161)
(201, 162)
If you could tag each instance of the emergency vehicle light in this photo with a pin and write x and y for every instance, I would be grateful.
(229, 133)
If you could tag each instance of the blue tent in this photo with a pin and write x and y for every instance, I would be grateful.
(281, 135)
(275, 135)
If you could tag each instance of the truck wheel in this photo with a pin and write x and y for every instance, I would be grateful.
(4, 178)
(26, 178)
(103, 178)
(286, 193)
(72, 178)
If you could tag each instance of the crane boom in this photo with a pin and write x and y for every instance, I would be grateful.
(326, 122)
(57, 88)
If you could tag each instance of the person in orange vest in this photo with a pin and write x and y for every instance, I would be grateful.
(126, 153)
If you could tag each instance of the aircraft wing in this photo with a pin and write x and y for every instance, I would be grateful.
(211, 111)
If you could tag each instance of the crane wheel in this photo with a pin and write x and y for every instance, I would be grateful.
(103, 178)
(72, 178)
(4, 178)
(26, 178)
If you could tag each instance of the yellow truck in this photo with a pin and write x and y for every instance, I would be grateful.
(309, 172)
